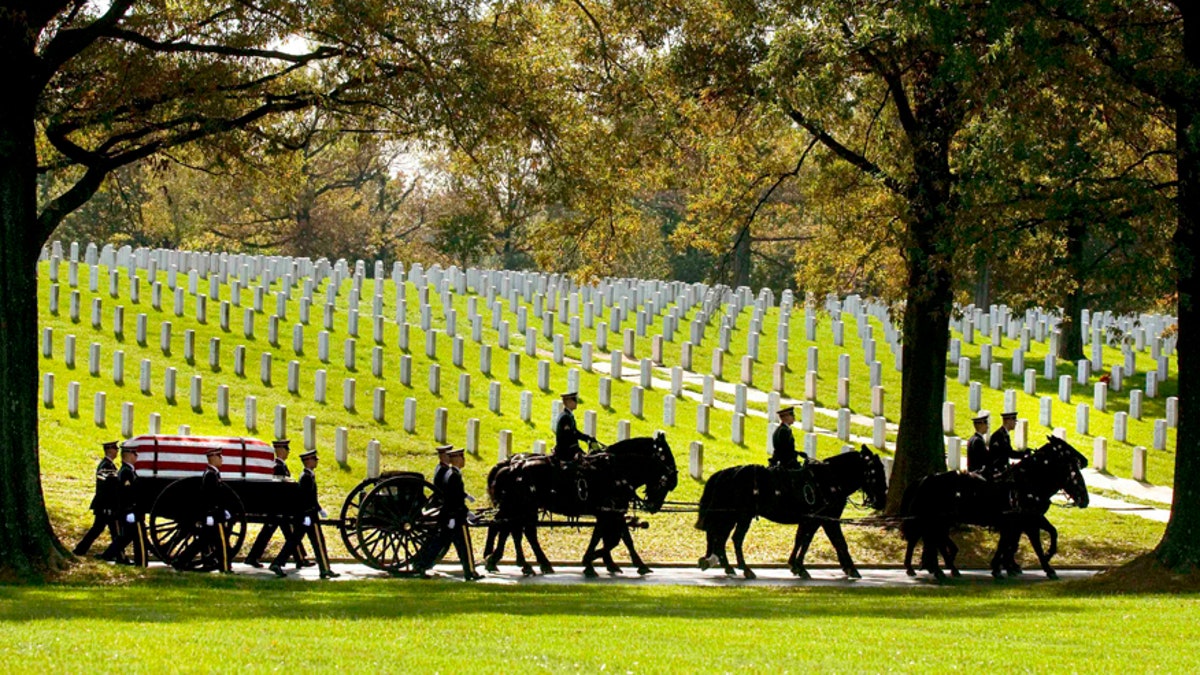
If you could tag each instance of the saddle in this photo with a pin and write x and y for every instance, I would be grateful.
(795, 490)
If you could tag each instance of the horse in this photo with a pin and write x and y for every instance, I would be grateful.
(1015, 504)
(812, 498)
(602, 485)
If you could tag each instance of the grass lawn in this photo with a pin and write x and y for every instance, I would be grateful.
(209, 624)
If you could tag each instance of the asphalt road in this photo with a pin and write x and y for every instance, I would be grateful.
(510, 575)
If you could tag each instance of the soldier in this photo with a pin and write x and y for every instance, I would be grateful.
(309, 523)
(566, 433)
(217, 518)
(977, 448)
(104, 503)
(452, 519)
(131, 519)
(784, 455)
(1000, 448)
(282, 473)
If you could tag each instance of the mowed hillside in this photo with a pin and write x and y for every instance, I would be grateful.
(70, 442)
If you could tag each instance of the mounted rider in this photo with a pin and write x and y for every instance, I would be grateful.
(1000, 448)
(784, 454)
(978, 455)
(566, 432)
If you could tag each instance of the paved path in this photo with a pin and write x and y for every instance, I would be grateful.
(510, 575)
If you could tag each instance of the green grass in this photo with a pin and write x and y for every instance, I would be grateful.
(69, 444)
(206, 624)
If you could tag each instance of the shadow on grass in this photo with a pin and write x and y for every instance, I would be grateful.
(163, 597)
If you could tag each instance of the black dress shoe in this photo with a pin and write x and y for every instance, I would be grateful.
(330, 574)
(278, 571)
(473, 576)
(254, 563)
(305, 563)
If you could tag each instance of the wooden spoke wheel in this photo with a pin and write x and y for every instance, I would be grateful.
(395, 519)
(348, 523)
(177, 529)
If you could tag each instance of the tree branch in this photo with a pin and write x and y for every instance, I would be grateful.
(68, 43)
(855, 159)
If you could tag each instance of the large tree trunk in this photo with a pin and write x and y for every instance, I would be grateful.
(929, 301)
(919, 444)
(1070, 346)
(1180, 545)
(28, 546)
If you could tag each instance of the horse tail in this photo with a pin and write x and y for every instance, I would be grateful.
(712, 487)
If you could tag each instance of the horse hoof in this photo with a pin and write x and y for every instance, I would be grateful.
(527, 571)
(1051, 574)
(910, 571)
(802, 573)
(955, 573)
(730, 572)
(853, 573)
(749, 573)
(704, 563)
(644, 570)
(547, 569)
(997, 575)
(590, 572)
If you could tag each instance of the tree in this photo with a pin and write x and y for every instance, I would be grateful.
(889, 89)
(1154, 47)
(91, 88)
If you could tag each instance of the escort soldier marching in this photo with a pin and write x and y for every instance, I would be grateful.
(977, 448)
(131, 521)
(784, 444)
(566, 433)
(1000, 448)
(282, 473)
(104, 503)
(452, 519)
(309, 522)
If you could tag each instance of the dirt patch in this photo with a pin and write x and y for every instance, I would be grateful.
(1144, 574)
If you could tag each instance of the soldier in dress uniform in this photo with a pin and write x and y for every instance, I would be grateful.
(282, 473)
(218, 518)
(977, 448)
(309, 523)
(131, 515)
(566, 433)
(452, 519)
(104, 503)
(1000, 448)
(784, 454)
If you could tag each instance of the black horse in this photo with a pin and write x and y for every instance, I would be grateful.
(812, 498)
(1015, 504)
(601, 485)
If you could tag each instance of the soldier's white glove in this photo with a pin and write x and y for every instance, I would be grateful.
(307, 521)
(129, 517)
(452, 523)
(208, 521)
(324, 513)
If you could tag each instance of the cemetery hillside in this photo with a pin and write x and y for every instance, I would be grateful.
(589, 335)
(376, 365)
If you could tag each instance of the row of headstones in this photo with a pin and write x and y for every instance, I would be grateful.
(1082, 417)
(626, 290)
(1098, 329)
(956, 459)
(417, 275)
(1084, 367)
